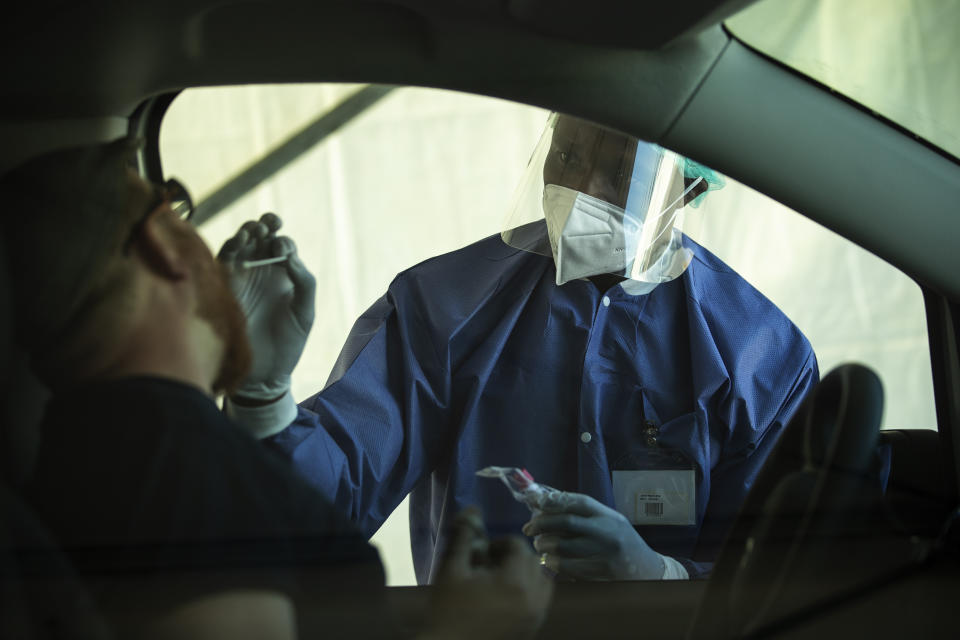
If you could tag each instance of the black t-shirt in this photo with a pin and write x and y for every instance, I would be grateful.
(158, 498)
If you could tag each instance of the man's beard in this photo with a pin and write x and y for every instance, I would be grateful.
(219, 307)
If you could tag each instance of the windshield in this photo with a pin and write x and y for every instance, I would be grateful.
(903, 62)
(415, 182)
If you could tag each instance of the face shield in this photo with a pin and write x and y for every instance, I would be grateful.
(601, 202)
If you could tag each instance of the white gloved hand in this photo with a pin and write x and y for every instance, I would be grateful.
(583, 539)
(278, 301)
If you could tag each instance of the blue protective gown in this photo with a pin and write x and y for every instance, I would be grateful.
(478, 358)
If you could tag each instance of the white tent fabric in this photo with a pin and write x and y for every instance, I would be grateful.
(900, 58)
(425, 171)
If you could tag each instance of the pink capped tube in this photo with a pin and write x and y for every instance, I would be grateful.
(522, 485)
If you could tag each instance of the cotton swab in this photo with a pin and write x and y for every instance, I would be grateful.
(249, 264)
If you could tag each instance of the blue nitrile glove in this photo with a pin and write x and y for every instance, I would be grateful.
(583, 539)
(278, 301)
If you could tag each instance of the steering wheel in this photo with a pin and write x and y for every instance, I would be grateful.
(817, 485)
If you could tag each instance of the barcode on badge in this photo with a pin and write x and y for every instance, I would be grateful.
(653, 509)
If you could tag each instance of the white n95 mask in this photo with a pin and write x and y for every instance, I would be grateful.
(590, 237)
(587, 235)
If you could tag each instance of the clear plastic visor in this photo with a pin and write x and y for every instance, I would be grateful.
(600, 202)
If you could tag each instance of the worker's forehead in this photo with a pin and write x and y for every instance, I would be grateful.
(569, 129)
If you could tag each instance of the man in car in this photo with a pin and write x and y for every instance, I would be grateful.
(592, 343)
(180, 523)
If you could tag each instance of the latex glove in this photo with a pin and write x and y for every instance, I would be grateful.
(583, 539)
(278, 301)
(486, 590)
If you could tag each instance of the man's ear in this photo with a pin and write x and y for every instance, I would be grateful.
(160, 249)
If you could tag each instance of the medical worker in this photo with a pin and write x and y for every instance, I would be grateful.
(592, 343)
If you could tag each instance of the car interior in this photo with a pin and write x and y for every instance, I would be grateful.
(820, 547)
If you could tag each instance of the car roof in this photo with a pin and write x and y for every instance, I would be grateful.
(669, 74)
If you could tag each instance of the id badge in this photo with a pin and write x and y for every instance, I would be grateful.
(656, 496)
(654, 485)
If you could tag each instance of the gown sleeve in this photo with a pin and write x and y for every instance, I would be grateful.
(362, 440)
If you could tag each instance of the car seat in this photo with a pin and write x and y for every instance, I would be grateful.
(817, 524)
(40, 594)
(918, 490)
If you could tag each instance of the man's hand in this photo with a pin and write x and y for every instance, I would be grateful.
(487, 590)
(583, 539)
(278, 301)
